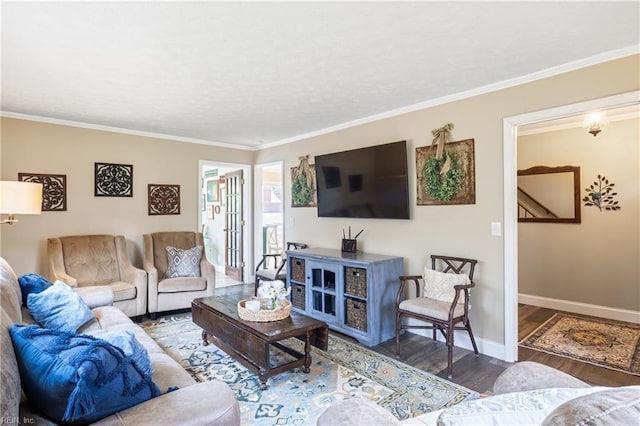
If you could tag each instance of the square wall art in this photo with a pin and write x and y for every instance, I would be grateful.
(114, 180)
(164, 199)
(54, 190)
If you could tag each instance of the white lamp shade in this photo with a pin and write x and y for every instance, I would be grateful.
(20, 197)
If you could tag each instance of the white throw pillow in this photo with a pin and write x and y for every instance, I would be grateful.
(517, 408)
(439, 285)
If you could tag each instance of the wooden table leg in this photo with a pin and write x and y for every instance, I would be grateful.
(307, 352)
(205, 342)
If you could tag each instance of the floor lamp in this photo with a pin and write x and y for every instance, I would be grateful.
(19, 198)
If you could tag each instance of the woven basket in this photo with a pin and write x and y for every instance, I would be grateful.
(356, 281)
(297, 270)
(298, 296)
(356, 314)
(264, 314)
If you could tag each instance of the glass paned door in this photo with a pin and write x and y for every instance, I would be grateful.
(233, 225)
(323, 287)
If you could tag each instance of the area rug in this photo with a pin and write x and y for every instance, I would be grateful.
(606, 343)
(345, 370)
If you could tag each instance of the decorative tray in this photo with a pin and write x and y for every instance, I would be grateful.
(264, 314)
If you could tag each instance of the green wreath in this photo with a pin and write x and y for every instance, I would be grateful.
(440, 187)
(302, 193)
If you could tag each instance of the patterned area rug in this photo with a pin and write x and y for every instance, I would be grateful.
(345, 371)
(606, 343)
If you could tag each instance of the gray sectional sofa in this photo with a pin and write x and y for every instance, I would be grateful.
(208, 403)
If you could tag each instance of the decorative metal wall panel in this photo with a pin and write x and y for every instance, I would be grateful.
(54, 190)
(164, 199)
(114, 180)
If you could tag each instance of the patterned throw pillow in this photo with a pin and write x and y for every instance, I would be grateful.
(439, 285)
(183, 263)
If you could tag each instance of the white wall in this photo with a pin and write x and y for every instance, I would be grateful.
(594, 262)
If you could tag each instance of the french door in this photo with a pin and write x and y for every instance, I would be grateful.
(234, 224)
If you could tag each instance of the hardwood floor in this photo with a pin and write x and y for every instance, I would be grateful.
(477, 373)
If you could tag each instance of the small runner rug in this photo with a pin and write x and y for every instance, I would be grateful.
(606, 343)
(346, 370)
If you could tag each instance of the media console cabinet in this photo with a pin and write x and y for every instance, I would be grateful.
(354, 293)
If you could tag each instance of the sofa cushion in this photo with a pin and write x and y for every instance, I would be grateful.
(177, 285)
(59, 308)
(619, 406)
(77, 378)
(95, 296)
(123, 291)
(183, 262)
(32, 283)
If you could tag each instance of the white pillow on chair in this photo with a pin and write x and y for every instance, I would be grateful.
(439, 285)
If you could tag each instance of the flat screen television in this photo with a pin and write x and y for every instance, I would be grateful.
(370, 182)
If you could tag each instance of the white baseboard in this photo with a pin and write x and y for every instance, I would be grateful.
(462, 340)
(581, 308)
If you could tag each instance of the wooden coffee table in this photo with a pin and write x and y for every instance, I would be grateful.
(249, 342)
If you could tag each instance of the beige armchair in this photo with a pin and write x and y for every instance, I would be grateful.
(99, 260)
(166, 294)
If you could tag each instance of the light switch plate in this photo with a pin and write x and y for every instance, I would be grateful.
(496, 229)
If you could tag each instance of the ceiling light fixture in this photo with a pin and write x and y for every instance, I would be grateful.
(596, 122)
(19, 198)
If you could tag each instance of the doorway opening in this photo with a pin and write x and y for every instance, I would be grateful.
(511, 253)
(269, 212)
(225, 219)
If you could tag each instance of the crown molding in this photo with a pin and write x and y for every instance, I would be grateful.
(103, 128)
(539, 75)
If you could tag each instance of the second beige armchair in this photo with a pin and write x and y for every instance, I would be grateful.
(99, 260)
(178, 270)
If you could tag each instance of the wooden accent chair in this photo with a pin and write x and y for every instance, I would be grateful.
(168, 293)
(443, 301)
(277, 261)
(99, 260)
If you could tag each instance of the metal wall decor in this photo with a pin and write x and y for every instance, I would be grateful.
(600, 194)
(113, 180)
(54, 190)
(164, 199)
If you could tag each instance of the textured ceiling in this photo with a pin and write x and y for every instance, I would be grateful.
(252, 74)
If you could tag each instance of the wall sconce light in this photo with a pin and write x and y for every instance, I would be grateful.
(595, 123)
(19, 198)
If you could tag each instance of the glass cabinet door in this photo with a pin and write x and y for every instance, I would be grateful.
(323, 289)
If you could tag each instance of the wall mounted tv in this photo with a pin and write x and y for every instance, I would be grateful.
(370, 182)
